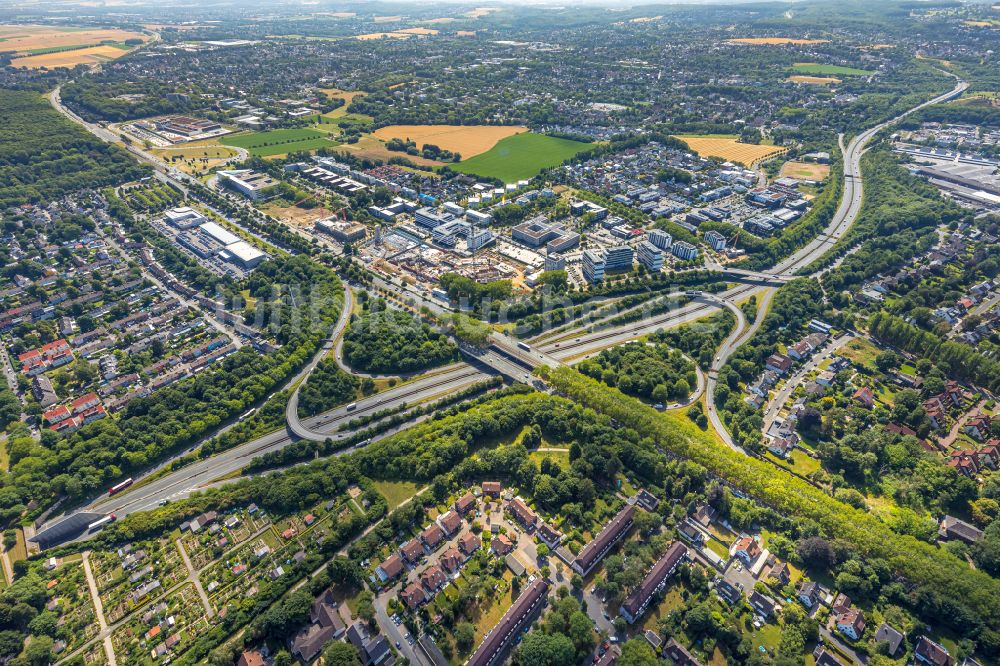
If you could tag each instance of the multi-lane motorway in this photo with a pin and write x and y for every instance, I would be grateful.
(552, 351)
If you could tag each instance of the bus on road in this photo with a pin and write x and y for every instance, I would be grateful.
(101, 522)
(121, 486)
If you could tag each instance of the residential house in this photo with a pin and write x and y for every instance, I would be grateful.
(250, 658)
(690, 533)
(450, 522)
(432, 536)
(808, 593)
(864, 397)
(781, 572)
(492, 489)
(928, 652)
(523, 513)
(549, 535)
(728, 592)
(678, 654)
(468, 544)
(501, 544)
(451, 560)
(851, 623)
(747, 549)
(841, 603)
(647, 500)
(412, 551)
(778, 363)
(325, 624)
(413, 595)
(892, 638)
(761, 604)
(824, 658)
(465, 504)
(391, 567)
(433, 578)
(953, 528)
(371, 651)
(978, 427)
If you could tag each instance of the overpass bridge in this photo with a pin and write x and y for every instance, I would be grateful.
(757, 277)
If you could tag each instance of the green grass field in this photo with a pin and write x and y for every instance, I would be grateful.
(816, 68)
(521, 156)
(278, 142)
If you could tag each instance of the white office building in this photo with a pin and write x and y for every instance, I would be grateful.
(716, 240)
(593, 265)
(660, 239)
(479, 238)
(618, 258)
(650, 256)
(684, 250)
(555, 262)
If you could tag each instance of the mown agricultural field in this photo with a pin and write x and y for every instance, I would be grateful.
(729, 149)
(521, 156)
(278, 142)
(825, 70)
(468, 140)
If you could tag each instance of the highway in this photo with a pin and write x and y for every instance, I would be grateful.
(182, 482)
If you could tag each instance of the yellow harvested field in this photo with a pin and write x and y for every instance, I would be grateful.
(468, 140)
(775, 41)
(805, 170)
(418, 31)
(347, 96)
(443, 19)
(88, 56)
(382, 35)
(23, 38)
(387, 19)
(814, 80)
(982, 24)
(882, 46)
(466, 33)
(480, 12)
(730, 149)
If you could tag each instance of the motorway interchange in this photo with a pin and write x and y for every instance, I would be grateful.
(503, 356)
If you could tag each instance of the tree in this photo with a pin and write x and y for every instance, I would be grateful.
(338, 653)
(465, 635)
(637, 652)
(540, 649)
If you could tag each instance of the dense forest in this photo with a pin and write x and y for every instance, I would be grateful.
(656, 373)
(385, 340)
(44, 156)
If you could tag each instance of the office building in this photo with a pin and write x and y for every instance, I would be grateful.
(555, 262)
(618, 258)
(660, 239)
(684, 250)
(478, 238)
(251, 184)
(593, 265)
(716, 240)
(650, 256)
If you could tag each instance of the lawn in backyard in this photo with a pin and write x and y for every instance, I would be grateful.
(521, 156)
(396, 492)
